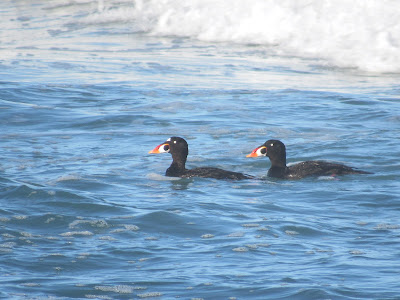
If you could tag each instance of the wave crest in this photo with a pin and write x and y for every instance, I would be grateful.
(360, 34)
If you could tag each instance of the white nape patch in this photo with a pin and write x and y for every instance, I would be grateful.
(169, 140)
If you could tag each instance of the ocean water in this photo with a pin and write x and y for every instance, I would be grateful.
(87, 88)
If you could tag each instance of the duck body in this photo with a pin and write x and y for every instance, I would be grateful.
(276, 151)
(179, 150)
(312, 168)
(206, 172)
(209, 172)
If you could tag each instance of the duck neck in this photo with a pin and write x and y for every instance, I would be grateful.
(277, 172)
(177, 168)
(278, 166)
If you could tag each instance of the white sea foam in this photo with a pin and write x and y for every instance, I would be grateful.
(100, 223)
(67, 178)
(358, 34)
(154, 176)
(121, 289)
(77, 233)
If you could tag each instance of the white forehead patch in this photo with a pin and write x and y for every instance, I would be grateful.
(169, 140)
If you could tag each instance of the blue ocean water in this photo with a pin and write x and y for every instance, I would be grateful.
(87, 88)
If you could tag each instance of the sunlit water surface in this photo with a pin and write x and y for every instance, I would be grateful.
(86, 212)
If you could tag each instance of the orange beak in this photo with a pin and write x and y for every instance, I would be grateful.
(253, 153)
(156, 149)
